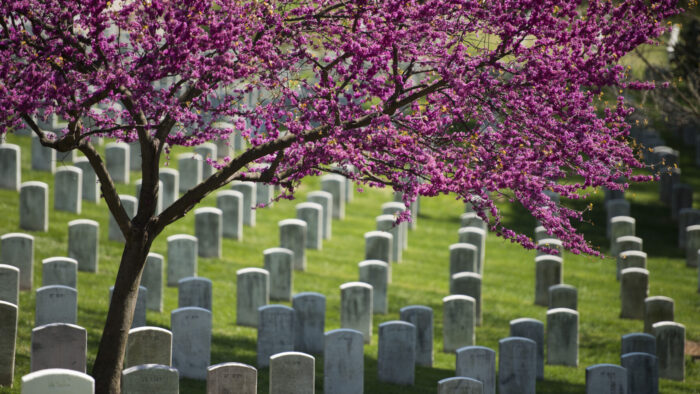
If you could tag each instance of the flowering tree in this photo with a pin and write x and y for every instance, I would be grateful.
(429, 96)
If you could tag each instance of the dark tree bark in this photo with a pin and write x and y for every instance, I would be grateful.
(108, 364)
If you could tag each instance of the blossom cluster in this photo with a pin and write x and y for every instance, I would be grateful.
(470, 97)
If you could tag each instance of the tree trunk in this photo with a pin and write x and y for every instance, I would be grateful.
(110, 355)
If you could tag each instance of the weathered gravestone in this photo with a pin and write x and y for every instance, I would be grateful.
(469, 284)
(139, 309)
(325, 199)
(477, 237)
(292, 373)
(191, 327)
(264, 194)
(670, 349)
(606, 379)
(517, 366)
(135, 156)
(150, 379)
(59, 345)
(638, 342)
(117, 161)
(335, 185)
(247, 189)
(376, 273)
(472, 219)
(692, 245)
(56, 304)
(613, 208)
(642, 372)
(206, 151)
(209, 231)
(148, 345)
(312, 214)
(152, 280)
(278, 263)
(395, 209)
(422, 318)
(458, 321)
(686, 217)
(310, 322)
(463, 258)
(275, 332)
(548, 272)
(57, 381)
(396, 356)
(10, 167)
(343, 362)
(563, 296)
(356, 308)
(190, 167)
(59, 271)
(531, 329)
(562, 337)
(627, 243)
(68, 189)
(91, 185)
(232, 377)
(634, 288)
(252, 292)
(43, 157)
(460, 385)
(194, 291)
(378, 246)
(171, 185)
(34, 206)
(182, 257)
(656, 309)
(9, 284)
(386, 223)
(293, 237)
(83, 243)
(620, 226)
(130, 205)
(478, 363)
(629, 259)
(230, 202)
(8, 341)
(17, 250)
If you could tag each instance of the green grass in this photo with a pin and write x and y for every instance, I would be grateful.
(422, 278)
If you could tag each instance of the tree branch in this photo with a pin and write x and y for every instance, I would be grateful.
(109, 192)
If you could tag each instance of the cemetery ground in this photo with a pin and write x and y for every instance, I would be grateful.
(422, 278)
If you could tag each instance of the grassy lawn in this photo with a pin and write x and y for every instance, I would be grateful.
(421, 278)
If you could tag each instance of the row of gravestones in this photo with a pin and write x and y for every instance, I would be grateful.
(61, 345)
(466, 269)
(550, 291)
(634, 283)
(392, 220)
(116, 155)
(57, 299)
(63, 299)
(632, 273)
(676, 195)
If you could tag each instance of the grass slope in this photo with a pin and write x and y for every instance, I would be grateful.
(421, 278)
